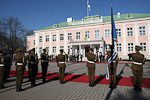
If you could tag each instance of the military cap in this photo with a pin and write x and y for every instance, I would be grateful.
(61, 50)
(138, 48)
(44, 49)
(91, 49)
(29, 51)
(18, 50)
(33, 49)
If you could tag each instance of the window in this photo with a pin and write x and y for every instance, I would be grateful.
(40, 38)
(87, 34)
(33, 42)
(54, 49)
(69, 36)
(130, 47)
(54, 37)
(47, 38)
(77, 35)
(107, 47)
(40, 49)
(130, 31)
(119, 47)
(118, 31)
(62, 47)
(142, 30)
(107, 33)
(143, 45)
(97, 34)
(61, 37)
(47, 50)
(68, 49)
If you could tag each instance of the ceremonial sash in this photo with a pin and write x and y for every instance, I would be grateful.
(109, 61)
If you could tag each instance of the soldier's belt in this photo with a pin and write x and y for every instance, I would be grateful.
(44, 60)
(1, 65)
(137, 63)
(114, 61)
(20, 64)
(33, 62)
(91, 62)
(61, 62)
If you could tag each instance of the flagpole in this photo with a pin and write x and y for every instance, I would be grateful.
(87, 8)
(112, 48)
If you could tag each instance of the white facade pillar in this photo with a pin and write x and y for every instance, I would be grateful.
(50, 43)
(100, 48)
(136, 34)
(148, 37)
(57, 48)
(83, 52)
(124, 39)
(43, 41)
(65, 40)
(80, 50)
(36, 43)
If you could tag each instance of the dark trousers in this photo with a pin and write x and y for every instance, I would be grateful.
(137, 80)
(91, 74)
(61, 73)
(19, 75)
(33, 72)
(44, 71)
(114, 75)
(6, 72)
(29, 71)
(1, 75)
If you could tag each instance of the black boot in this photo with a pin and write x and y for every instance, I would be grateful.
(17, 90)
(90, 84)
(139, 89)
(2, 86)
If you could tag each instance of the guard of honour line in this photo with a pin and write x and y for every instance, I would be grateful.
(21, 61)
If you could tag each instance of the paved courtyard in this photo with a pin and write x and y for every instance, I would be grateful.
(52, 90)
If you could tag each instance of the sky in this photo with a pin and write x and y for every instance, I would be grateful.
(38, 14)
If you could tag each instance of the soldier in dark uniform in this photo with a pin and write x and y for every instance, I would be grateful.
(20, 67)
(137, 68)
(61, 63)
(33, 66)
(8, 63)
(44, 64)
(1, 69)
(28, 65)
(115, 63)
(91, 66)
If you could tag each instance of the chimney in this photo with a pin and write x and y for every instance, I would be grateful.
(70, 19)
(118, 13)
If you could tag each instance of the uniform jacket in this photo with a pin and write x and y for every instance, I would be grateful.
(35, 57)
(20, 59)
(91, 57)
(137, 57)
(44, 57)
(115, 59)
(1, 59)
(61, 58)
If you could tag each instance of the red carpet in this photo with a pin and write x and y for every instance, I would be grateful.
(123, 81)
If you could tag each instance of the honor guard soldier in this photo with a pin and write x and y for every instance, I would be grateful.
(61, 63)
(33, 59)
(91, 66)
(1, 69)
(20, 67)
(44, 64)
(28, 65)
(8, 63)
(112, 71)
(137, 68)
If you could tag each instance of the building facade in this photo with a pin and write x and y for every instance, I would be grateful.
(94, 31)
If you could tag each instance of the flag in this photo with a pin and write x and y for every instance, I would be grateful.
(114, 34)
(89, 7)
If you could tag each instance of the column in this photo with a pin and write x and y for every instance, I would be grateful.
(100, 48)
(36, 43)
(124, 40)
(57, 48)
(136, 34)
(50, 44)
(65, 40)
(148, 37)
(43, 40)
(80, 50)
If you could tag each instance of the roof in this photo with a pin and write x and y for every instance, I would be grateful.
(105, 19)
(30, 35)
